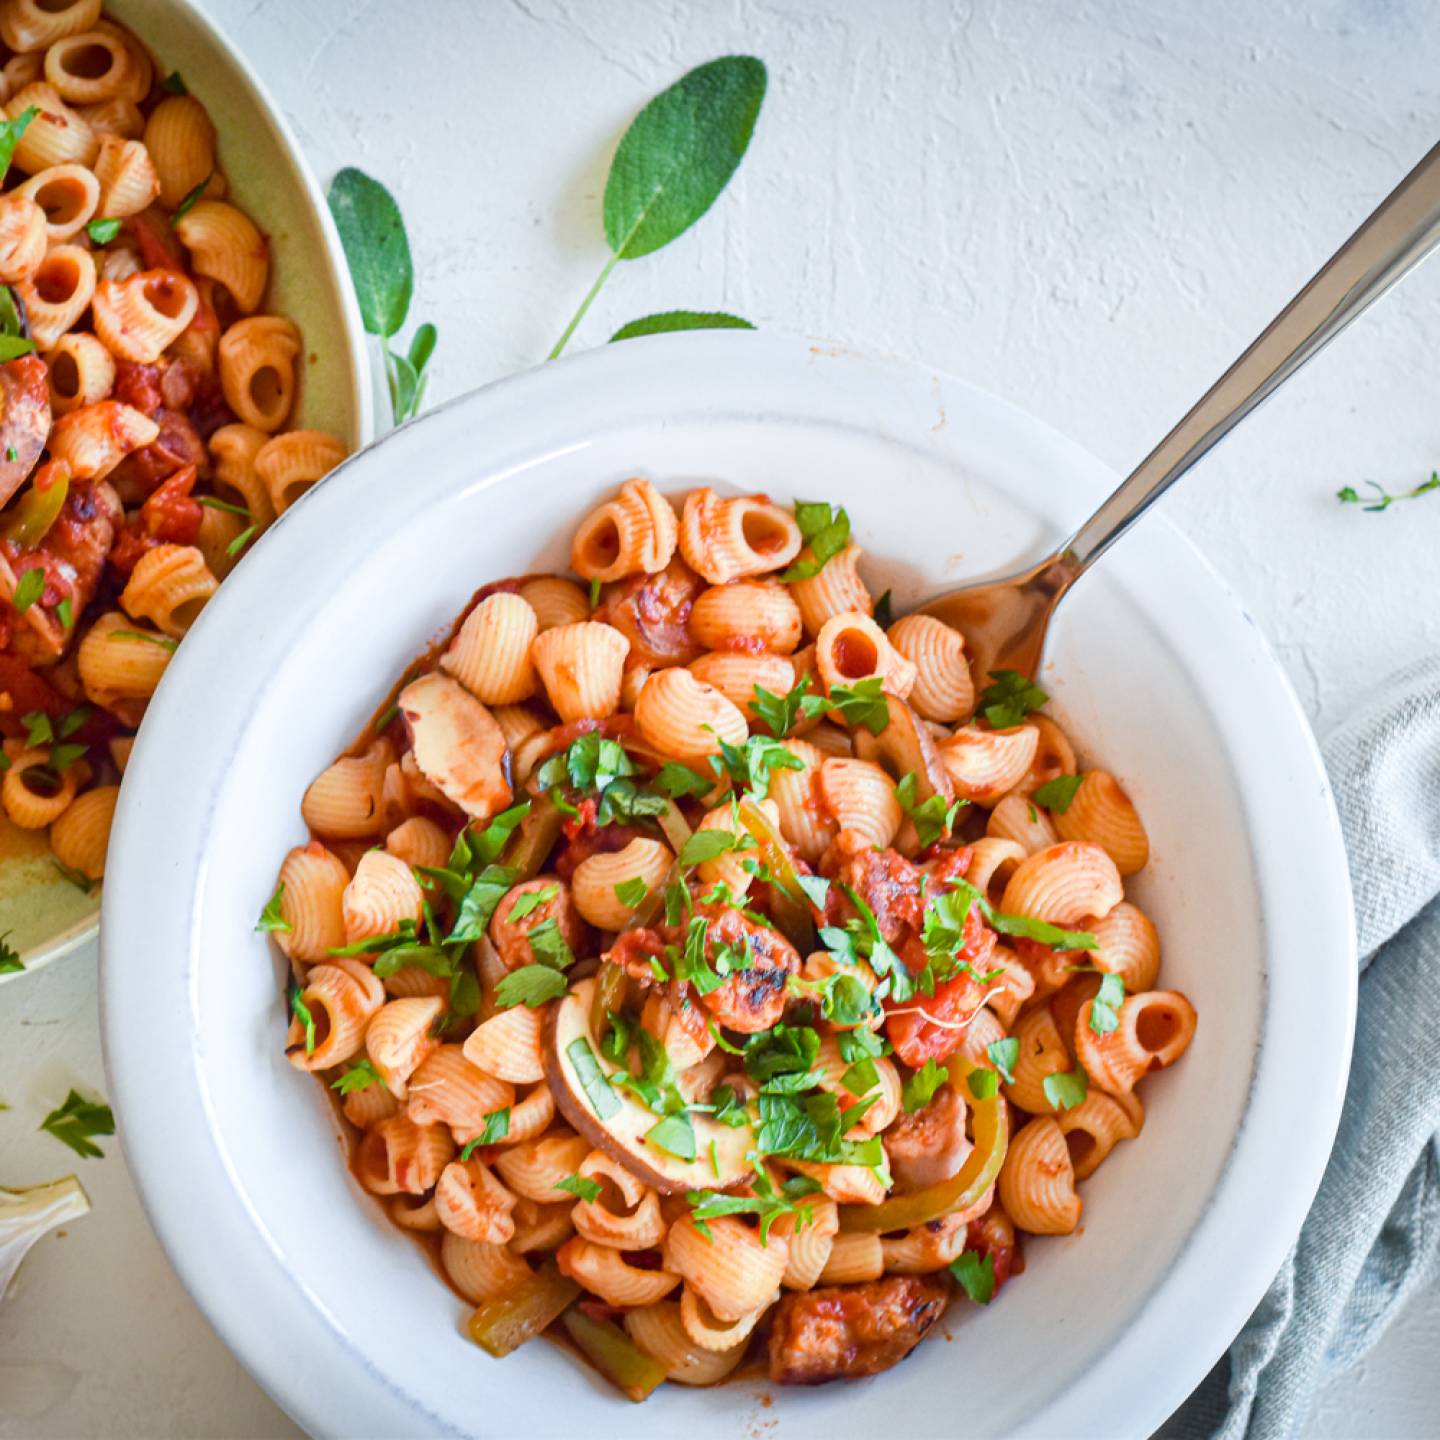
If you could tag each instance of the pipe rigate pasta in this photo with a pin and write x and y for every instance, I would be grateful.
(722, 1043)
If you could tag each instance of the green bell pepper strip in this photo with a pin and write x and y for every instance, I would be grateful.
(611, 1351)
(991, 1124)
(39, 507)
(507, 1322)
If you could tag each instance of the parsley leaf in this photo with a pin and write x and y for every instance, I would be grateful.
(190, 201)
(10, 961)
(677, 781)
(549, 947)
(1010, 699)
(72, 720)
(1003, 1055)
(497, 1127)
(360, 1076)
(301, 1011)
(530, 985)
(934, 820)
(816, 889)
(630, 893)
(826, 532)
(579, 1185)
(1057, 794)
(172, 84)
(706, 845)
(863, 703)
(767, 1203)
(531, 901)
(749, 765)
(1105, 1008)
(984, 1084)
(163, 641)
(920, 1088)
(1067, 1089)
(883, 617)
(102, 232)
(603, 1099)
(270, 916)
(74, 1122)
(38, 730)
(674, 1134)
(780, 712)
(976, 1275)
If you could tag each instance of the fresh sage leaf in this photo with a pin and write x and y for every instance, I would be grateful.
(669, 321)
(377, 250)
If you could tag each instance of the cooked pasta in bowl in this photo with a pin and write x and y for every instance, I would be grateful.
(668, 947)
(163, 255)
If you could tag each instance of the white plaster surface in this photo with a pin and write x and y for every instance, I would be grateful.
(1088, 208)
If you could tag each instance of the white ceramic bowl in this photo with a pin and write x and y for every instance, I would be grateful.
(42, 913)
(1154, 669)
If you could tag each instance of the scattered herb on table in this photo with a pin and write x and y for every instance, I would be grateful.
(76, 1121)
(1383, 499)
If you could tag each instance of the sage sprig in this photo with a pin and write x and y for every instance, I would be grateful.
(673, 162)
(377, 250)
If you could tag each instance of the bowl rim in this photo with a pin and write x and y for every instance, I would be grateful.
(87, 925)
(159, 1092)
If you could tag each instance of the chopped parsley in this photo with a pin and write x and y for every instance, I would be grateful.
(597, 765)
(749, 765)
(38, 730)
(984, 1084)
(1003, 1056)
(780, 712)
(78, 878)
(531, 901)
(530, 985)
(76, 1121)
(603, 1099)
(549, 947)
(1105, 1007)
(172, 84)
(678, 781)
(102, 232)
(674, 1134)
(863, 703)
(190, 200)
(1067, 1089)
(934, 820)
(241, 540)
(10, 961)
(163, 641)
(920, 1088)
(826, 530)
(706, 845)
(586, 1189)
(360, 1076)
(497, 1127)
(768, 1203)
(1057, 794)
(301, 1011)
(65, 613)
(1010, 699)
(976, 1275)
(270, 916)
(630, 893)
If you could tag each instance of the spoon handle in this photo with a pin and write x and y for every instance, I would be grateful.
(1400, 233)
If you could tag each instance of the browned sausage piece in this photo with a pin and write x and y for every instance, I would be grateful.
(851, 1330)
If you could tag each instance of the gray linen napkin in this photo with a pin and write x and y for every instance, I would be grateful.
(1372, 1237)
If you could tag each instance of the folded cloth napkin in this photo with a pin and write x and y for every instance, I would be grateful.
(1372, 1238)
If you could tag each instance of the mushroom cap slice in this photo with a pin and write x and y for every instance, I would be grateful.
(573, 1057)
(458, 745)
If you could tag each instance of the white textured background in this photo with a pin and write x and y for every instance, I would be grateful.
(1087, 208)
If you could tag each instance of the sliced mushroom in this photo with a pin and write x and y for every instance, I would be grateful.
(905, 747)
(616, 1122)
(458, 746)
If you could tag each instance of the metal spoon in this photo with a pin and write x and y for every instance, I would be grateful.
(1005, 621)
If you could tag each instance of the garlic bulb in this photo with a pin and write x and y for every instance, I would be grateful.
(26, 1215)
